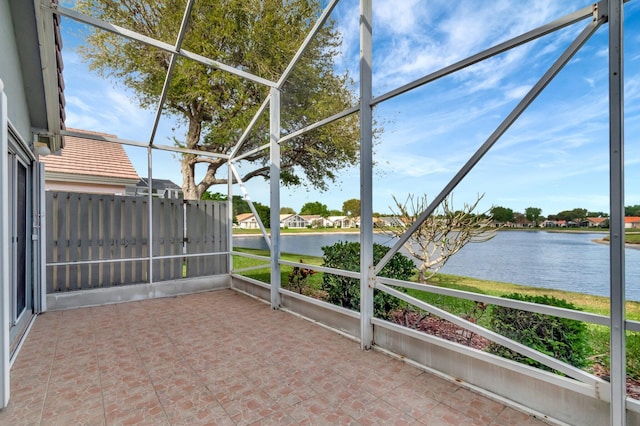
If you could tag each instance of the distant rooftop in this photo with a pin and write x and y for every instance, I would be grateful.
(158, 184)
(89, 157)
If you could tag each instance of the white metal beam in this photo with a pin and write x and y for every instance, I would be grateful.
(103, 138)
(172, 64)
(248, 129)
(246, 197)
(5, 249)
(308, 39)
(250, 153)
(274, 183)
(367, 274)
(502, 301)
(321, 123)
(493, 51)
(155, 43)
(616, 222)
(547, 360)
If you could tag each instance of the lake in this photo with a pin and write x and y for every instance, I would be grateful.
(564, 261)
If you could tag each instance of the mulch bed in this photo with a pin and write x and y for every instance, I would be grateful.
(438, 327)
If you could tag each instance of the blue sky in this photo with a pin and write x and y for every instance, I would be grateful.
(555, 157)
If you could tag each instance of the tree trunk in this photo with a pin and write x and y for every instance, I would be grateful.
(188, 162)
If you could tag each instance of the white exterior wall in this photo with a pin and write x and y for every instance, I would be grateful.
(86, 188)
(13, 111)
(11, 75)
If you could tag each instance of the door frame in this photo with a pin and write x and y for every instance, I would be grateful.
(20, 227)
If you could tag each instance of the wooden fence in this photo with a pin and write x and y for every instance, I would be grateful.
(97, 228)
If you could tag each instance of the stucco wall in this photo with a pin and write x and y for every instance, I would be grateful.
(10, 74)
(85, 188)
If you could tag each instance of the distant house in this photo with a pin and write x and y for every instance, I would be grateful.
(632, 222)
(163, 188)
(386, 221)
(89, 166)
(317, 221)
(341, 222)
(293, 221)
(247, 221)
(595, 222)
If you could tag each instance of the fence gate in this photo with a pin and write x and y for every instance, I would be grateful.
(97, 241)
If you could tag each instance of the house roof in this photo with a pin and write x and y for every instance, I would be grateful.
(88, 157)
(631, 219)
(596, 219)
(158, 184)
(244, 216)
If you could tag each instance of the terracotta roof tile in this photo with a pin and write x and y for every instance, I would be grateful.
(91, 158)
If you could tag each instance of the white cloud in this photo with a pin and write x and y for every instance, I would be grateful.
(412, 165)
(399, 17)
(452, 31)
(517, 92)
(75, 102)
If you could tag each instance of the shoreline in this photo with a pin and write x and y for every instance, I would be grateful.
(634, 246)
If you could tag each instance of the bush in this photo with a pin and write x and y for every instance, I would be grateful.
(344, 291)
(561, 338)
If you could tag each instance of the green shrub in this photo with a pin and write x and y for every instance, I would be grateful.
(561, 338)
(344, 291)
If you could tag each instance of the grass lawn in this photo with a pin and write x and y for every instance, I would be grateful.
(632, 236)
(599, 335)
(238, 231)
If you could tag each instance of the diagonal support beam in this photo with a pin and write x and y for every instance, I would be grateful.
(252, 123)
(251, 206)
(321, 123)
(155, 43)
(491, 52)
(316, 27)
(557, 66)
(547, 360)
(172, 65)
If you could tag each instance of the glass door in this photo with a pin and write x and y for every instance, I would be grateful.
(21, 284)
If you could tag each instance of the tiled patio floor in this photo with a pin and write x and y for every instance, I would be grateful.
(221, 358)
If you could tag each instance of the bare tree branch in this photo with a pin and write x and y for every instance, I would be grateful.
(443, 233)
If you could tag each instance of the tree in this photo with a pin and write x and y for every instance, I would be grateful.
(344, 291)
(351, 207)
(532, 214)
(443, 233)
(216, 196)
(572, 215)
(255, 36)
(315, 207)
(264, 212)
(599, 214)
(502, 214)
(287, 210)
(632, 210)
